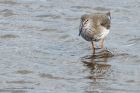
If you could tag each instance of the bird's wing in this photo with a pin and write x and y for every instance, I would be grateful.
(106, 21)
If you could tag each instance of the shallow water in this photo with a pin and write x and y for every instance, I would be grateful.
(41, 52)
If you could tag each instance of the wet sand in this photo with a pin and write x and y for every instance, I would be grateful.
(41, 52)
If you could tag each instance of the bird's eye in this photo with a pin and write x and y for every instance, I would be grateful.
(86, 20)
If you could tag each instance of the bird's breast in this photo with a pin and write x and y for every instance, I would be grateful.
(104, 32)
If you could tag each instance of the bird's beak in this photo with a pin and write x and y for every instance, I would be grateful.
(80, 28)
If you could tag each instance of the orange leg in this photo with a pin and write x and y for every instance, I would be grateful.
(93, 47)
(102, 43)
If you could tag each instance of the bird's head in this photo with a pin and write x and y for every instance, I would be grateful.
(84, 19)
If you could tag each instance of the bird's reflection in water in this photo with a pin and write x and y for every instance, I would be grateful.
(97, 64)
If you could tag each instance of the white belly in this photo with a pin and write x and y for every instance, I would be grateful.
(104, 32)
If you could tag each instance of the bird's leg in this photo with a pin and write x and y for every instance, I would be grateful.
(93, 47)
(102, 43)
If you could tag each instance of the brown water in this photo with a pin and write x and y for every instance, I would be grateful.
(41, 52)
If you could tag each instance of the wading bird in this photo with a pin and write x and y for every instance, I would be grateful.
(95, 27)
